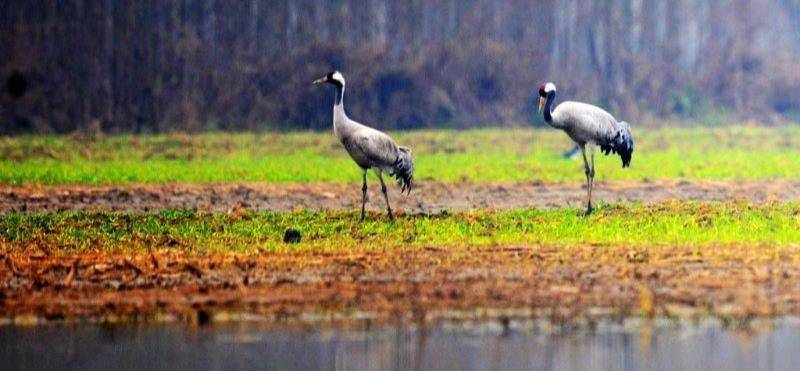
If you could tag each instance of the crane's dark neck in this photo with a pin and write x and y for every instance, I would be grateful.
(548, 108)
(339, 93)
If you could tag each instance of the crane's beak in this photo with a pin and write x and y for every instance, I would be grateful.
(320, 80)
(542, 100)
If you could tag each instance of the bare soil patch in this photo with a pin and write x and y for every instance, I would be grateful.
(500, 282)
(428, 196)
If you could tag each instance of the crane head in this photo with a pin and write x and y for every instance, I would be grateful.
(334, 77)
(545, 90)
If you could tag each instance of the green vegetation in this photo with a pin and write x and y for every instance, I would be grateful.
(702, 225)
(732, 152)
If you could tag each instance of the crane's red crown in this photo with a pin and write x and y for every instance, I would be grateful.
(547, 88)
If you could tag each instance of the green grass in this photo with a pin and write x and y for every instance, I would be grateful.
(704, 225)
(732, 152)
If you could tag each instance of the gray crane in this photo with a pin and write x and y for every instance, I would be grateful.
(587, 125)
(369, 148)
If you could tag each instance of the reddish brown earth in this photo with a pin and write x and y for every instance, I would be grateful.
(552, 283)
(428, 196)
(588, 282)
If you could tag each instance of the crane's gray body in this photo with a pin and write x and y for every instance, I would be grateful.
(369, 148)
(590, 126)
(585, 123)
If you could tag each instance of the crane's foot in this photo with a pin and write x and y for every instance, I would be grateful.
(391, 215)
(362, 216)
(589, 210)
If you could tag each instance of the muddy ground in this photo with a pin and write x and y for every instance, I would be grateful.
(428, 196)
(500, 282)
(419, 285)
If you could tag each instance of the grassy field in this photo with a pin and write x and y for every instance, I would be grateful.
(662, 257)
(702, 225)
(734, 152)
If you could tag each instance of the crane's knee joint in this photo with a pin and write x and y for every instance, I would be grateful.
(364, 188)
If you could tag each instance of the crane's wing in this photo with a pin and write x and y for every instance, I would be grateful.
(379, 150)
(585, 122)
(588, 123)
(371, 148)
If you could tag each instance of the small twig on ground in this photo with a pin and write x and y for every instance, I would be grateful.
(129, 264)
(73, 271)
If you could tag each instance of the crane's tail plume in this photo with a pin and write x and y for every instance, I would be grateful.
(622, 144)
(403, 169)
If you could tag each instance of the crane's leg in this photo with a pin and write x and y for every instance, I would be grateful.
(591, 177)
(363, 192)
(588, 171)
(385, 195)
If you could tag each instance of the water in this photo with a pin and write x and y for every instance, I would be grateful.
(252, 346)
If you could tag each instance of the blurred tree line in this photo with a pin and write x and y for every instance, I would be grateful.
(162, 65)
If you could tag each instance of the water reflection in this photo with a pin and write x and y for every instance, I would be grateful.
(250, 346)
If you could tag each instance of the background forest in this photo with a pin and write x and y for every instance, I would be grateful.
(167, 65)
